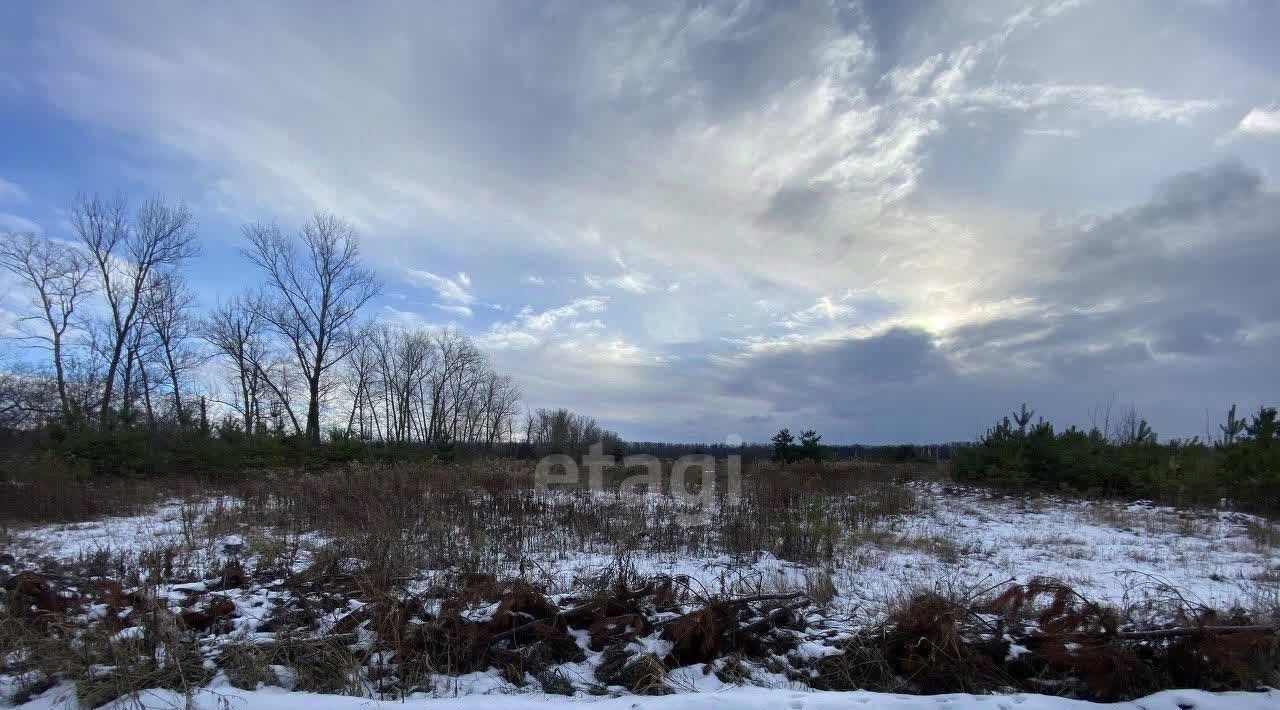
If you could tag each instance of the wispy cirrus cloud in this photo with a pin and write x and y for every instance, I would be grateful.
(454, 293)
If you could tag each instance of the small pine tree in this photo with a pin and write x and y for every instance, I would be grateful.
(1233, 428)
(1023, 417)
(810, 445)
(1263, 429)
(783, 446)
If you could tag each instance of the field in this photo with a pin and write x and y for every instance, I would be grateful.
(471, 582)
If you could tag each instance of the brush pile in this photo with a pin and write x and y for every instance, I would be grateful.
(1045, 637)
(327, 629)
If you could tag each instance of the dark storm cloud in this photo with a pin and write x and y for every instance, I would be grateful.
(1193, 194)
(1229, 191)
(800, 376)
(1187, 272)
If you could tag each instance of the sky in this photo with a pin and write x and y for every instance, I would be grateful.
(886, 221)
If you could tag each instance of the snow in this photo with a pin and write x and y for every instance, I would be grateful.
(1113, 552)
(1119, 554)
(810, 650)
(227, 698)
(130, 634)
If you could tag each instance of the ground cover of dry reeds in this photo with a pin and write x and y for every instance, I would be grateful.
(391, 580)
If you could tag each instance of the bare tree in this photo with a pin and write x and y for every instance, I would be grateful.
(432, 386)
(58, 277)
(26, 397)
(360, 384)
(313, 297)
(236, 332)
(501, 399)
(1132, 429)
(168, 312)
(134, 382)
(126, 257)
(563, 431)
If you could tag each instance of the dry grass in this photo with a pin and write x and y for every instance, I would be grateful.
(482, 516)
(820, 587)
(384, 525)
(104, 663)
(1186, 523)
(1264, 534)
(474, 516)
(46, 489)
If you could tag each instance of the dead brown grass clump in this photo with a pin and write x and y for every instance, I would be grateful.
(219, 609)
(31, 595)
(450, 644)
(615, 629)
(1245, 661)
(928, 651)
(643, 674)
(323, 667)
(248, 667)
(534, 651)
(699, 637)
(1076, 643)
(620, 601)
(521, 604)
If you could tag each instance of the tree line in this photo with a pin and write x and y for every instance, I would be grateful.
(1124, 457)
(125, 346)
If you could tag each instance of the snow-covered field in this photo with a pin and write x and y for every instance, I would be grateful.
(1116, 553)
(736, 698)
(1136, 556)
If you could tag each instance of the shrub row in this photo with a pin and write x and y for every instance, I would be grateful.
(1243, 468)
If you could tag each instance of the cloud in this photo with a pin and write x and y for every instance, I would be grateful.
(777, 153)
(1260, 122)
(464, 311)
(627, 279)
(1052, 132)
(408, 320)
(11, 191)
(824, 309)
(636, 282)
(1193, 194)
(15, 223)
(531, 327)
(792, 375)
(1196, 332)
(548, 319)
(1151, 301)
(1114, 102)
(455, 292)
(1184, 273)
